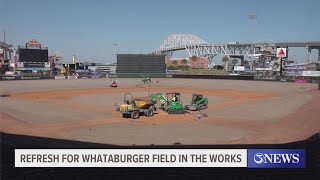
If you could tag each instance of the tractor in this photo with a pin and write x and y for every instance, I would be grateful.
(146, 79)
(197, 103)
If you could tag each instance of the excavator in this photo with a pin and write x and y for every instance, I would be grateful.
(175, 105)
(163, 100)
(197, 103)
(171, 104)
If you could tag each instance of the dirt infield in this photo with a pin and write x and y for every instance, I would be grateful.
(238, 112)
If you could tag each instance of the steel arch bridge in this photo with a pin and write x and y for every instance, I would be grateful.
(195, 46)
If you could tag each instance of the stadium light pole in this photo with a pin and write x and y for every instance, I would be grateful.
(253, 18)
(115, 52)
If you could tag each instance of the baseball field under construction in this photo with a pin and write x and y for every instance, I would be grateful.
(239, 112)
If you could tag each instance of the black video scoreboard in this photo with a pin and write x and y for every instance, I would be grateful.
(33, 57)
(141, 63)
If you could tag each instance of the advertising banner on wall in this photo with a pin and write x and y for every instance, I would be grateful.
(33, 69)
(30, 78)
(72, 77)
(47, 65)
(294, 70)
(59, 77)
(34, 64)
(263, 69)
(58, 65)
(20, 64)
(82, 70)
(239, 68)
(311, 73)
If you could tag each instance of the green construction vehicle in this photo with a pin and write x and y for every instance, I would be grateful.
(171, 103)
(174, 105)
(197, 103)
(146, 79)
(162, 98)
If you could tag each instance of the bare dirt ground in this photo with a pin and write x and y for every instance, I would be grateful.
(239, 111)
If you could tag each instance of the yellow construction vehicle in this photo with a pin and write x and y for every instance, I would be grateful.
(135, 107)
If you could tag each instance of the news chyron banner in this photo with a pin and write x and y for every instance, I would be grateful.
(242, 158)
(130, 158)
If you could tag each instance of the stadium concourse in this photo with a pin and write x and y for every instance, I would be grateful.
(239, 111)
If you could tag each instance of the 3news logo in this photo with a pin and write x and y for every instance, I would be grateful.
(276, 158)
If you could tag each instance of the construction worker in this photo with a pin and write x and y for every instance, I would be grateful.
(174, 99)
(162, 102)
(197, 99)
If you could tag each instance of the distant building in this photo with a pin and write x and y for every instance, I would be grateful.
(4, 63)
(169, 61)
(102, 68)
(56, 64)
(86, 68)
(5, 57)
(197, 63)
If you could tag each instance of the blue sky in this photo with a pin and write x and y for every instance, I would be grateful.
(89, 28)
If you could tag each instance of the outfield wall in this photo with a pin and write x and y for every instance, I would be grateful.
(205, 76)
(138, 75)
(6, 78)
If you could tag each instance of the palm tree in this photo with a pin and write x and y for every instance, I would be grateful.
(254, 64)
(194, 58)
(225, 59)
(275, 66)
(318, 67)
(184, 62)
(174, 62)
(245, 63)
(234, 61)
